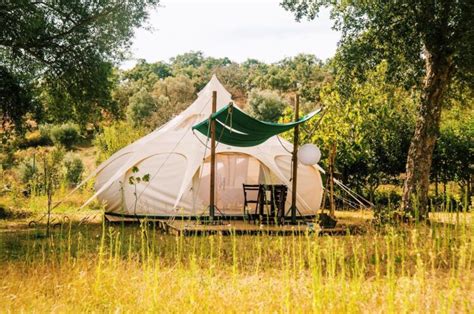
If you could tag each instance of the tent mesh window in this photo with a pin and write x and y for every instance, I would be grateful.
(233, 170)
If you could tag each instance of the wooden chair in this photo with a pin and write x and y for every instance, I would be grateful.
(248, 200)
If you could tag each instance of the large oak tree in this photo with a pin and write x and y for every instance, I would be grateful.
(428, 45)
(64, 47)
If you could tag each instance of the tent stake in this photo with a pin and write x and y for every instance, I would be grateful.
(213, 158)
(294, 176)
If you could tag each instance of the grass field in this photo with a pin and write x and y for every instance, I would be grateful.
(114, 268)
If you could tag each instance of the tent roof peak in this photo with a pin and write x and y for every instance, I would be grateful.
(214, 85)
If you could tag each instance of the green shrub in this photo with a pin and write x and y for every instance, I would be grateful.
(387, 207)
(28, 170)
(74, 168)
(32, 139)
(386, 215)
(66, 135)
(266, 105)
(45, 133)
(7, 155)
(8, 213)
(387, 198)
(446, 203)
(31, 170)
(114, 137)
(40, 137)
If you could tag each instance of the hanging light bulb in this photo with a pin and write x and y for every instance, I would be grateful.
(309, 154)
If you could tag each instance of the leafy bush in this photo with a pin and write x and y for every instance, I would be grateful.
(28, 169)
(32, 169)
(8, 213)
(387, 198)
(66, 135)
(33, 139)
(447, 203)
(74, 168)
(7, 154)
(45, 133)
(114, 137)
(387, 215)
(38, 137)
(266, 105)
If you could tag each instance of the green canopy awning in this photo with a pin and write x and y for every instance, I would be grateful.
(236, 128)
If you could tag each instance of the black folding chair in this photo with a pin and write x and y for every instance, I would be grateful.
(251, 189)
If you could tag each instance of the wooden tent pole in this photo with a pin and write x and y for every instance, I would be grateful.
(294, 176)
(213, 158)
(332, 157)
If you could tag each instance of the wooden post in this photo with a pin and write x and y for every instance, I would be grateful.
(332, 157)
(213, 158)
(294, 176)
(325, 193)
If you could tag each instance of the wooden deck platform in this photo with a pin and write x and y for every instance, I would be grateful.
(186, 227)
(346, 225)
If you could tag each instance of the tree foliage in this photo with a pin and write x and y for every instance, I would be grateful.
(141, 107)
(65, 47)
(427, 45)
(371, 129)
(73, 170)
(155, 104)
(454, 152)
(15, 99)
(399, 33)
(266, 105)
(66, 135)
(113, 137)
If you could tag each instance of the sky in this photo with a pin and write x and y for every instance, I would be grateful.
(237, 29)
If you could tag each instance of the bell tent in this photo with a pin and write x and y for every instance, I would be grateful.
(176, 158)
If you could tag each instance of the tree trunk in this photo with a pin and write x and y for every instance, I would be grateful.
(415, 190)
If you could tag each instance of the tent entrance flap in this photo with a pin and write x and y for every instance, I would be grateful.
(236, 128)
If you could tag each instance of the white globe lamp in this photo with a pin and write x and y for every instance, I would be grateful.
(309, 154)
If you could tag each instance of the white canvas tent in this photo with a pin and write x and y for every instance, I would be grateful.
(177, 161)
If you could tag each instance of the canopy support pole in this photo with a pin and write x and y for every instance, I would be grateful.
(332, 157)
(294, 175)
(213, 158)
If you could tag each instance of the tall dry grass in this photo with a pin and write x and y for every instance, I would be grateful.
(137, 269)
